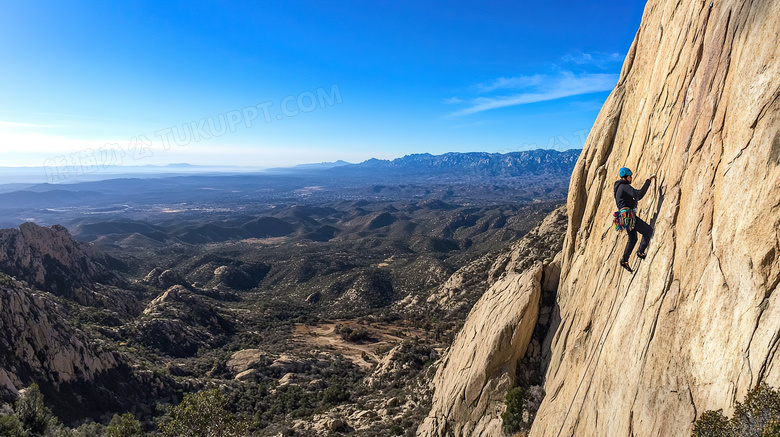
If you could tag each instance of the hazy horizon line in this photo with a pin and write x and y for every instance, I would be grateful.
(187, 164)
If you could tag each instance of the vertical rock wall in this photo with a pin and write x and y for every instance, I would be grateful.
(698, 324)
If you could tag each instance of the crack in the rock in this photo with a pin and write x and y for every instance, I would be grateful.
(739, 154)
(693, 403)
(761, 113)
(720, 266)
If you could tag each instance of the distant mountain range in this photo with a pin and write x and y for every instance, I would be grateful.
(317, 166)
(478, 163)
(482, 163)
(538, 175)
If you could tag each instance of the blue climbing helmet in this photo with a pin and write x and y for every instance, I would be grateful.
(625, 171)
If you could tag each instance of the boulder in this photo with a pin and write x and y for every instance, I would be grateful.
(402, 362)
(247, 375)
(336, 424)
(244, 360)
(288, 378)
(287, 363)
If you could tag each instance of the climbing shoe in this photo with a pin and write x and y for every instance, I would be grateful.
(641, 255)
(626, 266)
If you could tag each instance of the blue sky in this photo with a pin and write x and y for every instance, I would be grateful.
(279, 83)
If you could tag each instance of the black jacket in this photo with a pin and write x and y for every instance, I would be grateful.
(627, 196)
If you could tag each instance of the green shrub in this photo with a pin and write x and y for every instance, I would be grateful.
(335, 394)
(712, 424)
(758, 416)
(353, 336)
(35, 417)
(91, 316)
(513, 416)
(125, 425)
(10, 426)
(202, 414)
(772, 429)
(396, 429)
(90, 429)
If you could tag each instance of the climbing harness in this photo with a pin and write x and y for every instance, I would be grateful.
(624, 219)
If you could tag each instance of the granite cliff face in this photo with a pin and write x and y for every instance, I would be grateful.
(698, 324)
(48, 259)
(48, 282)
(79, 376)
(38, 345)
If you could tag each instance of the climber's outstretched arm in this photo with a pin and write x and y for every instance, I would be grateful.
(642, 191)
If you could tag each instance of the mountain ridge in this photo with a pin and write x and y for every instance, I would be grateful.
(540, 161)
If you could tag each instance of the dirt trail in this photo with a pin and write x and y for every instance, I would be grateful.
(384, 337)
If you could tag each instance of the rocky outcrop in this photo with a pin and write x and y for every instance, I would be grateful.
(179, 322)
(464, 287)
(246, 359)
(369, 289)
(475, 376)
(233, 277)
(460, 291)
(38, 346)
(401, 363)
(484, 361)
(165, 279)
(698, 324)
(79, 372)
(50, 260)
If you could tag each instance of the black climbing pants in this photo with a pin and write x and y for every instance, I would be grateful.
(646, 231)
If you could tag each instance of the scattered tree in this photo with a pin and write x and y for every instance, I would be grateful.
(758, 416)
(125, 425)
(513, 416)
(202, 414)
(10, 426)
(90, 429)
(35, 417)
(352, 335)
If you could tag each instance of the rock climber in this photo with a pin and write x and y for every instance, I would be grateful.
(626, 198)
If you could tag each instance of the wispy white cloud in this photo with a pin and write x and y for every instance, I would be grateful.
(539, 88)
(517, 82)
(598, 59)
(452, 100)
